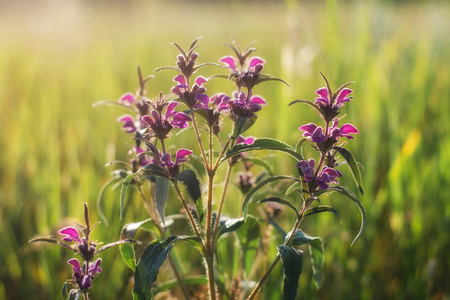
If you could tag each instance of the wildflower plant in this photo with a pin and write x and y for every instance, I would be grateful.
(153, 168)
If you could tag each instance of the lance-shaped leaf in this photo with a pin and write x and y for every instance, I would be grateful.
(263, 144)
(281, 201)
(353, 166)
(264, 77)
(242, 124)
(123, 193)
(156, 170)
(151, 260)
(107, 102)
(320, 209)
(260, 185)
(346, 192)
(127, 249)
(229, 225)
(101, 196)
(162, 186)
(315, 249)
(52, 241)
(189, 179)
(292, 268)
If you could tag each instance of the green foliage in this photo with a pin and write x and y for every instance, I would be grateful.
(292, 268)
(401, 82)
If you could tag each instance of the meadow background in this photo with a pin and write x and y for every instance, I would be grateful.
(57, 58)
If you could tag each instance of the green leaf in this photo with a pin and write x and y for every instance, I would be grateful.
(263, 144)
(162, 186)
(123, 193)
(315, 249)
(229, 225)
(100, 199)
(241, 124)
(189, 179)
(148, 266)
(281, 201)
(127, 250)
(64, 292)
(353, 166)
(260, 185)
(292, 268)
(128, 255)
(320, 209)
(346, 192)
(155, 169)
(249, 237)
(298, 146)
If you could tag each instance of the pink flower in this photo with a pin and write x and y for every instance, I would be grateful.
(324, 177)
(128, 123)
(84, 282)
(180, 157)
(189, 97)
(244, 106)
(71, 234)
(346, 129)
(255, 64)
(162, 124)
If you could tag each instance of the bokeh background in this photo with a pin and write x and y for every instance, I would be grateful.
(57, 58)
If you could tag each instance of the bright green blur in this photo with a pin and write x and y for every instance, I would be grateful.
(57, 59)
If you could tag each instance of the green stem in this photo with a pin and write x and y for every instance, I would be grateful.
(199, 140)
(277, 258)
(222, 200)
(186, 208)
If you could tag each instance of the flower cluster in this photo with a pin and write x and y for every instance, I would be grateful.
(328, 106)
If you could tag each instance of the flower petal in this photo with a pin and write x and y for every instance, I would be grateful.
(309, 128)
(76, 267)
(256, 61)
(180, 79)
(349, 128)
(128, 98)
(71, 234)
(181, 154)
(229, 61)
(258, 100)
(147, 119)
(200, 80)
(322, 92)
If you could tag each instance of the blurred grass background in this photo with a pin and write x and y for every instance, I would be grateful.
(57, 58)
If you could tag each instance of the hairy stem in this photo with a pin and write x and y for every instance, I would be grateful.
(186, 208)
(222, 200)
(277, 258)
(199, 140)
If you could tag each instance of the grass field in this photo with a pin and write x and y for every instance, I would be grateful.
(57, 58)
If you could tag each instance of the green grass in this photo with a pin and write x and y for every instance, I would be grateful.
(57, 60)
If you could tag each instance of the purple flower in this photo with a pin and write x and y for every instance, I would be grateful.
(313, 133)
(180, 157)
(212, 108)
(186, 64)
(128, 123)
(189, 97)
(242, 140)
(244, 106)
(255, 64)
(84, 281)
(127, 99)
(162, 124)
(335, 132)
(324, 98)
(326, 175)
(71, 234)
(307, 169)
